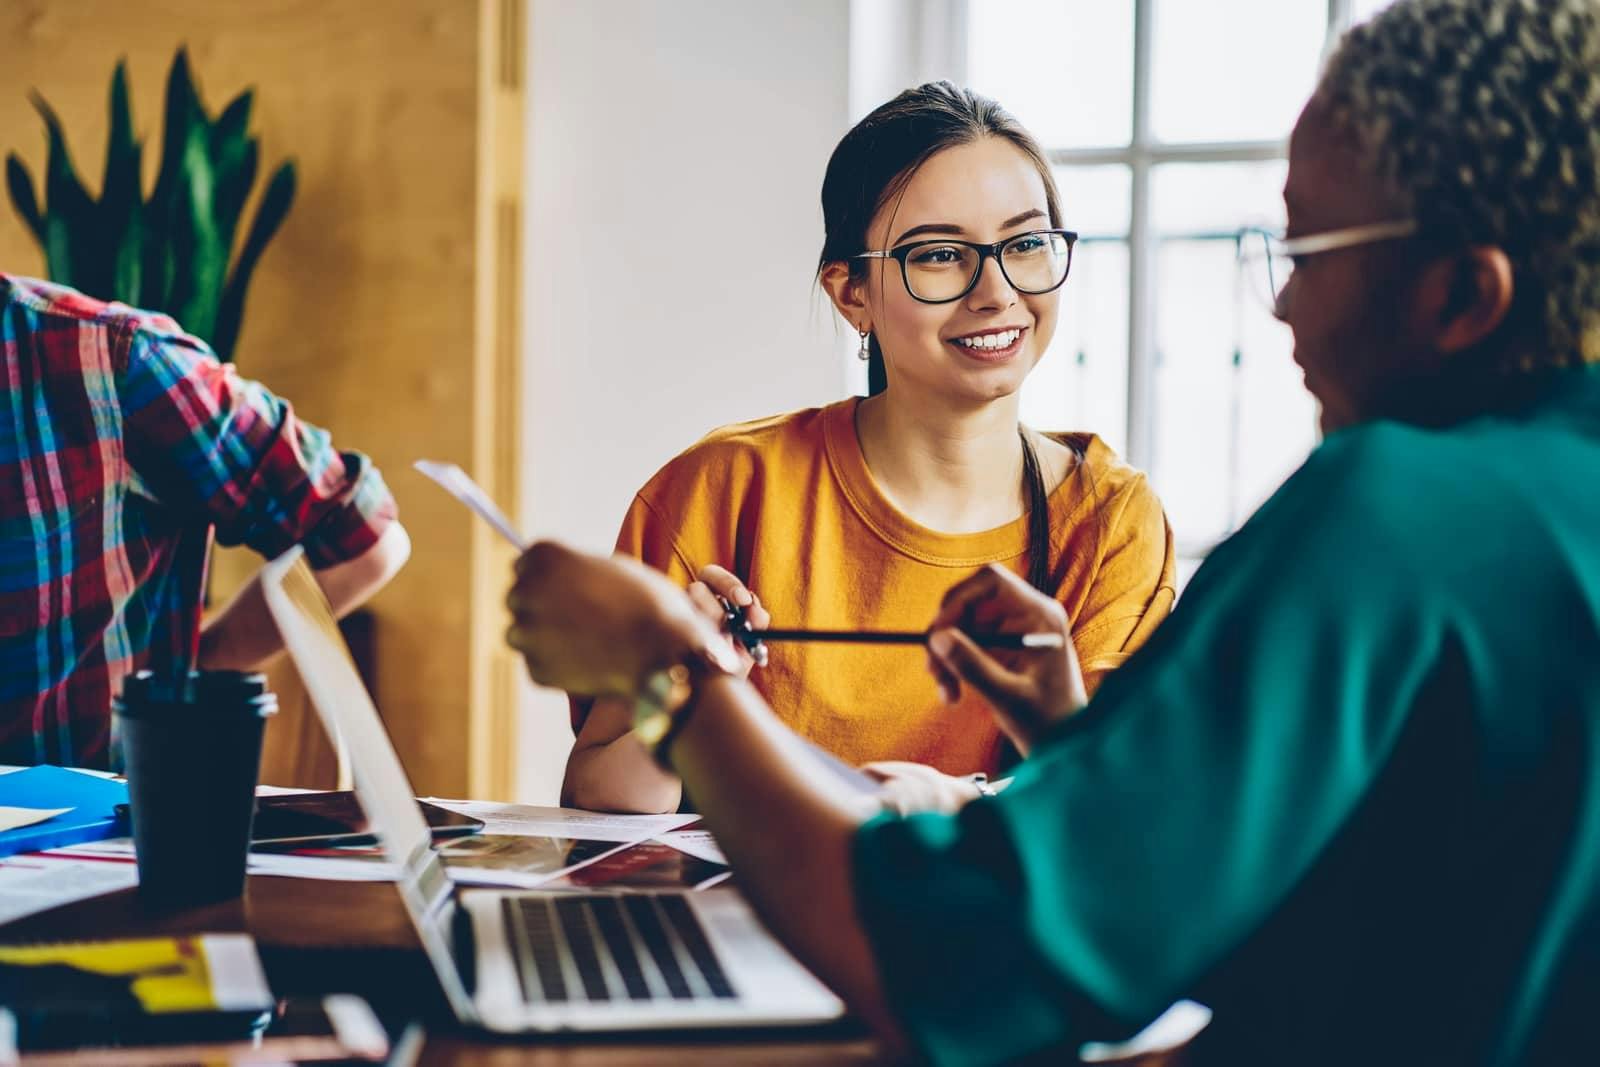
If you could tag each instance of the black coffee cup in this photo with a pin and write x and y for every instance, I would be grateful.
(191, 750)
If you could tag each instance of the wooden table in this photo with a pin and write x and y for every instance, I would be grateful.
(354, 937)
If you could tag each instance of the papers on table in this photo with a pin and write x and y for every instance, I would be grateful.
(510, 861)
(528, 819)
(41, 881)
(696, 843)
(359, 864)
(329, 865)
(283, 791)
(645, 865)
(35, 882)
(522, 846)
(527, 846)
(518, 860)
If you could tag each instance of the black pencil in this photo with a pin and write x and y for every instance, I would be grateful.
(909, 637)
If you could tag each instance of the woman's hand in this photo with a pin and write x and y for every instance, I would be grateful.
(713, 582)
(913, 787)
(1031, 689)
(596, 626)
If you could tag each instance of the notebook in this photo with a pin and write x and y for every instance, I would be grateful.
(90, 802)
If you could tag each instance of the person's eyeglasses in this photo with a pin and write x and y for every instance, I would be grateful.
(1269, 259)
(937, 272)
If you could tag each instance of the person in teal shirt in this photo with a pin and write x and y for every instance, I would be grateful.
(1348, 796)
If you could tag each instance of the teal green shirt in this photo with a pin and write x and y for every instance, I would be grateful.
(1348, 796)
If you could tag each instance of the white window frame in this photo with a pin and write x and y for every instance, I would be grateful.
(1142, 155)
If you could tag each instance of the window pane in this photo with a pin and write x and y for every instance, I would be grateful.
(1233, 70)
(1232, 417)
(1082, 383)
(1190, 197)
(1095, 200)
(1063, 67)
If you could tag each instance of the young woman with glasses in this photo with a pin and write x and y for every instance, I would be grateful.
(945, 250)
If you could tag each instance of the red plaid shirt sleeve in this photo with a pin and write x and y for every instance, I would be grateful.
(208, 443)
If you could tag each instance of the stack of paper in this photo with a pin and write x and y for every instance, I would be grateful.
(521, 846)
(40, 881)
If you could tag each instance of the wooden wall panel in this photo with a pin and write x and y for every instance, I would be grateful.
(374, 310)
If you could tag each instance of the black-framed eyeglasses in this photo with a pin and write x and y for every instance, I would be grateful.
(942, 270)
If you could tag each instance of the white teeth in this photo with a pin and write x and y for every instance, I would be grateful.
(1004, 339)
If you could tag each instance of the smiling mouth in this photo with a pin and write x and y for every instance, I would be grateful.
(995, 345)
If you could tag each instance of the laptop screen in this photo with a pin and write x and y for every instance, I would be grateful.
(312, 638)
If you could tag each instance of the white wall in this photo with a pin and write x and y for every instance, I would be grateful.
(676, 152)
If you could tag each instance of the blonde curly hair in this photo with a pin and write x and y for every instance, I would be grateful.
(1483, 117)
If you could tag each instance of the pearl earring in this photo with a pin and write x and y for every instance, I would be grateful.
(866, 352)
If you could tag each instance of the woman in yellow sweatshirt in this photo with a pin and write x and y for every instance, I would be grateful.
(945, 249)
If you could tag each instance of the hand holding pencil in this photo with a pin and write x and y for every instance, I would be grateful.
(739, 626)
(993, 632)
(1031, 691)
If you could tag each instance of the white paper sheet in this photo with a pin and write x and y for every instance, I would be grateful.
(322, 868)
(38, 882)
(364, 865)
(119, 850)
(517, 820)
(453, 480)
(696, 843)
(532, 820)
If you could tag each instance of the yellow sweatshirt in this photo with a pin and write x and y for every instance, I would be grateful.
(788, 505)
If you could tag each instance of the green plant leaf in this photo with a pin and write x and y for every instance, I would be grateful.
(69, 214)
(234, 122)
(233, 189)
(58, 258)
(162, 259)
(183, 111)
(127, 270)
(160, 267)
(121, 208)
(121, 183)
(202, 258)
(20, 184)
(270, 213)
(234, 154)
(171, 252)
(60, 176)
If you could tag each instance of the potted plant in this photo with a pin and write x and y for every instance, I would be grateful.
(169, 252)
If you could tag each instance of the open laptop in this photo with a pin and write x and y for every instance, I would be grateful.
(518, 961)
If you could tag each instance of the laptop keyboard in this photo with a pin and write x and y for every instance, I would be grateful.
(600, 948)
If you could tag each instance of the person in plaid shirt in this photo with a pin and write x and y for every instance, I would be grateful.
(125, 446)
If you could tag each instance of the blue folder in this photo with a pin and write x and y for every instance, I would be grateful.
(91, 799)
